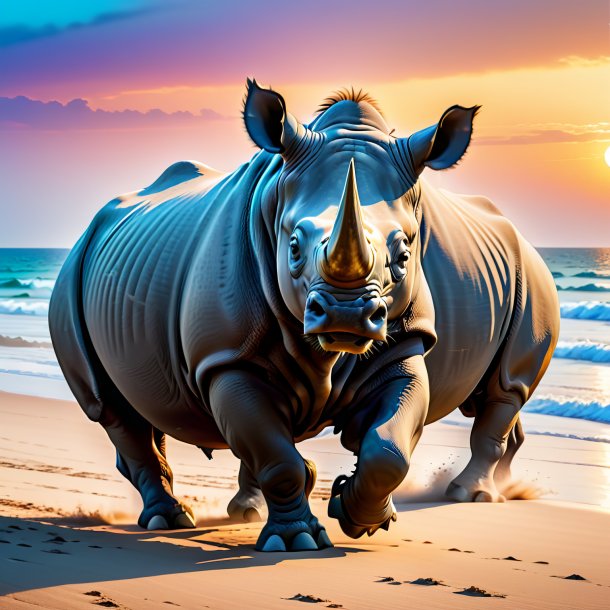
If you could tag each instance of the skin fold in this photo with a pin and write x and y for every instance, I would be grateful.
(321, 283)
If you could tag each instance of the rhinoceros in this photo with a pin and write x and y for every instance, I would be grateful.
(320, 284)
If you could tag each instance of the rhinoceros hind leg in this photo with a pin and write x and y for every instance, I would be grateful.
(141, 459)
(488, 442)
(502, 474)
(248, 503)
(250, 416)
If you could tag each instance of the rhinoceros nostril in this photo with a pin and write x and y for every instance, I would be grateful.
(315, 308)
(378, 315)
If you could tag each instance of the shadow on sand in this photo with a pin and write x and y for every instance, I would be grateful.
(43, 553)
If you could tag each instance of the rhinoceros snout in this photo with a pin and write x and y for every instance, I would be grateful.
(345, 325)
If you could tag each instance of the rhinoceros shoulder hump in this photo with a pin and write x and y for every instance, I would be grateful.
(177, 173)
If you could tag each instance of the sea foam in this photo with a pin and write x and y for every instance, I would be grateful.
(586, 310)
(568, 407)
(583, 350)
(24, 308)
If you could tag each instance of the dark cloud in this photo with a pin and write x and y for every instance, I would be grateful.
(24, 113)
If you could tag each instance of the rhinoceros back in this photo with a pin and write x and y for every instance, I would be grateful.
(495, 303)
(128, 277)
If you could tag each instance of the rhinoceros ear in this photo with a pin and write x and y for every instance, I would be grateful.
(267, 122)
(441, 146)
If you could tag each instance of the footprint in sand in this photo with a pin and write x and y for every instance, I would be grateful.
(312, 599)
(102, 600)
(389, 580)
(510, 558)
(427, 582)
(544, 563)
(477, 592)
(571, 577)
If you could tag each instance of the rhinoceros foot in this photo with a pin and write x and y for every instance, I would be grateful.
(165, 516)
(475, 492)
(303, 535)
(338, 510)
(246, 507)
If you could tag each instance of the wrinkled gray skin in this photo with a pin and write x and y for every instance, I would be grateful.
(305, 289)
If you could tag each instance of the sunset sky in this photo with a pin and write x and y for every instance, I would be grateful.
(98, 98)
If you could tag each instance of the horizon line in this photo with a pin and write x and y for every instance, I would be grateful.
(70, 247)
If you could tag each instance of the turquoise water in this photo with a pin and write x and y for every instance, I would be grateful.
(577, 384)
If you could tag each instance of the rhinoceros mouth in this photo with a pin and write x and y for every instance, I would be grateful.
(344, 342)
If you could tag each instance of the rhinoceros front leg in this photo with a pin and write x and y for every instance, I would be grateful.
(255, 421)
(363, 502)
(489, 440)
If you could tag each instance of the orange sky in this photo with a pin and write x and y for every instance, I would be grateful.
(541, 73)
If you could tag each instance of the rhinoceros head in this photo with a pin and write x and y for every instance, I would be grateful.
(346, 211)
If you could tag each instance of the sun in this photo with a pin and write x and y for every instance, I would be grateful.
(607, 156)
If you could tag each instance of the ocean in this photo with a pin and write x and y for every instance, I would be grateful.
(577, 384)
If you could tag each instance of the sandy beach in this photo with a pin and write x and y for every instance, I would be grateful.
(68, 539)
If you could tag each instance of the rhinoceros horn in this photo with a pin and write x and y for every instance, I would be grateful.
(348, 256)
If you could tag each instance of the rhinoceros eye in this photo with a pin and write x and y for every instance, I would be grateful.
(400, 257)
(294, 247)
(296, 260)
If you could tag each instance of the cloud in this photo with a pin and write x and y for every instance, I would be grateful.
(16, 34)
(575, 61)
(554, 133)
(24, 113)
(339, 42)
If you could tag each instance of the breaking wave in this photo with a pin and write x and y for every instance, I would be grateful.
(40, 372)
(593, 274)
(583, 350)
(11, 306)
(586, 288)
(27, 283)
(586, 310)
(566, 407)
